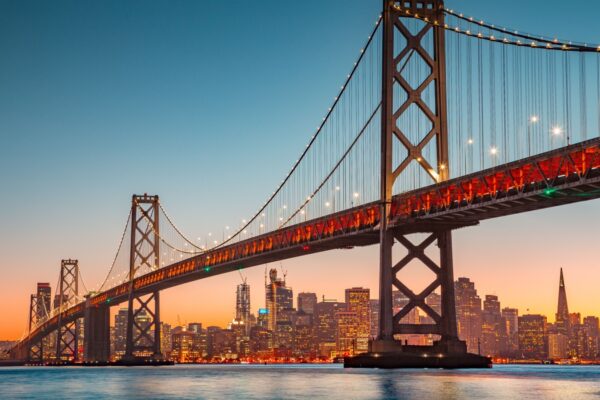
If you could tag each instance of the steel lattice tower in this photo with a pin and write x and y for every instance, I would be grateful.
(394, 26)
(67, 337)
(144, 253)
(36, 349)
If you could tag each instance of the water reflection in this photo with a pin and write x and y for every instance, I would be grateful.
(299, 382)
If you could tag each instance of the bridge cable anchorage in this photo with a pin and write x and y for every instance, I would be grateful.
(319, 130)
(125, 230)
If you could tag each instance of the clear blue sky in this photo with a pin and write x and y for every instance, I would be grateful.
(205, 103)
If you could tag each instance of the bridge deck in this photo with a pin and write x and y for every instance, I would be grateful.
(566, 175)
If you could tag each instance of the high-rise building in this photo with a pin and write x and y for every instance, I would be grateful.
(183, 346)
(510, 321)
(304, 335)
(562, 310)
(120, 337)
(240, 330)
(374, 303)
(283, 337)
(492, 331)
(326, 325)
(166, 344)
(576, 335)
(533, 340)
(261, 341)
(212, 345)
(307, 302)
(468, 313)
(358, 302)
(242, 305)
(346, 333)
(592, 334)
(558, 345)
(223, 344)
(278, 298)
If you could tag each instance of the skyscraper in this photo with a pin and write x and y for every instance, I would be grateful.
(346, 333)
(592, 333)
(278, 298)
(326, 325)
(242, 305)
(492, 332)
(374, 318)
(562, 310)
(120, 336)
(533, 340)
(510, 321)
(358, 302)
(468, 313)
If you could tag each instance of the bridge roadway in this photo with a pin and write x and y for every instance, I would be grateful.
(566, 175)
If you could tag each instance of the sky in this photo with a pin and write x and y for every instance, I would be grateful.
(208, 104)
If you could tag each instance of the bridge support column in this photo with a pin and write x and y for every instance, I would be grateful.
(143, 319)
(34, 350)
(446, 350)
(386, 351)
(67, 335)
(96, 339)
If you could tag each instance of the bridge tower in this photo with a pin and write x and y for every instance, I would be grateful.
(35, 351)
(400, 44)
(144, 308)
(67, 335)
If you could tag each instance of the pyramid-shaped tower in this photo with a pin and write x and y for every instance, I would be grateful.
(562, 311)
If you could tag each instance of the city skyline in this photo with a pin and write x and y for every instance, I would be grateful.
(298, 325)
(34, 241)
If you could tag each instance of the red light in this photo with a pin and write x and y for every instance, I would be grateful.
(305, 248)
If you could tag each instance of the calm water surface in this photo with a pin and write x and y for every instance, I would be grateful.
(299, 382)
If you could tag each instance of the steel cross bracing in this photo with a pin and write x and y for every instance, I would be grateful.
(144, 252)
(35, 349)
(391, 323)
(566, 175)
(67, 337)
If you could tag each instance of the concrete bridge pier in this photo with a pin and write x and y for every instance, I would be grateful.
(96, 341)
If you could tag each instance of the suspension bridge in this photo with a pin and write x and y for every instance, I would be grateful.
(444, 120)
